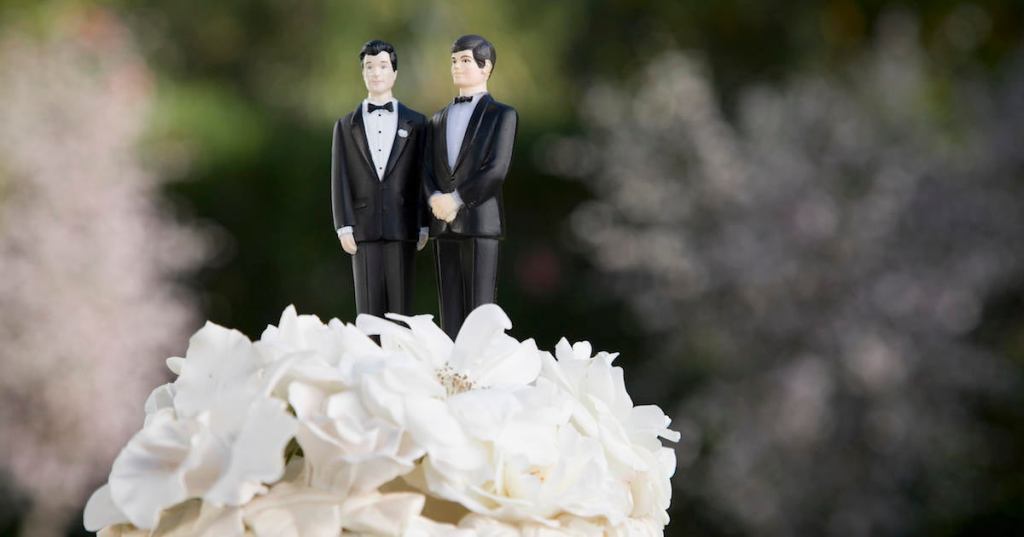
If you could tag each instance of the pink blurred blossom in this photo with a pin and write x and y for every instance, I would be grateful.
(87, 259)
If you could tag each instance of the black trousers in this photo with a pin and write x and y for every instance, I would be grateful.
(383, 274)
(467, 271)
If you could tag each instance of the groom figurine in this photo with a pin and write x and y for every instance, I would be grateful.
(376, 190)
(469, 149)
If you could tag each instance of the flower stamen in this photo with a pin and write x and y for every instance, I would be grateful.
(454, 382)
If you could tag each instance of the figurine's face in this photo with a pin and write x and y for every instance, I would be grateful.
(378, 74)
(466, 73)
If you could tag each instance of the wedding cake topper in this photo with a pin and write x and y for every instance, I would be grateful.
(376, 192)
(467, 156)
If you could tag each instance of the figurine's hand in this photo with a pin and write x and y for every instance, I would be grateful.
(422, 242)
(348, 243)
(444, 207)
(435, 205)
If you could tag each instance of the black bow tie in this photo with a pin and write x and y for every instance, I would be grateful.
(463, 99)
(371, 108)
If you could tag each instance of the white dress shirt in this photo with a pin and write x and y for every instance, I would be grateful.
(381, 127)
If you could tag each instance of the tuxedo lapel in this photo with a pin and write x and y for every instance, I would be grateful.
(359, 136)
(404, 124)
(471, 129)
(441, 137)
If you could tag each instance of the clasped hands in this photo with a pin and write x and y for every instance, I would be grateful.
(444, 206)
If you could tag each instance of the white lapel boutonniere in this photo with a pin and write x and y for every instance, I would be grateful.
(403, 133)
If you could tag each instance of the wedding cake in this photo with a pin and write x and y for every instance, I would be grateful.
(316, 429)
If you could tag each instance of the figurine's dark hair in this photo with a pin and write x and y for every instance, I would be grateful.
(375, 47)
(482, 49)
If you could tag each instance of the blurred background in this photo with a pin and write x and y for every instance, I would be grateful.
(798, 222)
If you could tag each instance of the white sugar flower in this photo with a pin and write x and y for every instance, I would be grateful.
(212, 433)
(122, 530)
(253, 439)
(348, 449)
(538, 465)
(151, 474)
(192, 518)
(220, 364)
(316, 353)
(514, 457)
(223, 455)
(563, 526)
(425, 527)
(101, 511)
(652, 489)
(162, 397)
(604, 410)
(638, 527)
(195, 518)
(481, 356)
(293, 507)
(302, 334)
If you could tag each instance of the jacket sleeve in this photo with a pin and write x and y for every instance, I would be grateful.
(484, 183)
(429, 180)
(341, 191)
(422, 212)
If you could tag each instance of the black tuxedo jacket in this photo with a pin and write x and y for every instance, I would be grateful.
(392, 208)
(479, 171)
